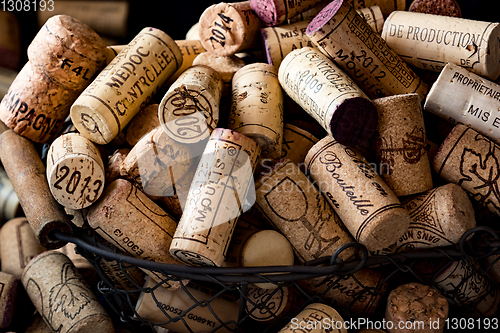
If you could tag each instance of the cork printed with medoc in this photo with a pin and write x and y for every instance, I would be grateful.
(249, 166)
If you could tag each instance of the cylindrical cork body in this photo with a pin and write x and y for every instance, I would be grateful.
(183, 304)
(9, 203)
(470, 159)
(189, 111)
(468, 286)
(18, 245)
(27, 174)
(368, 207)
(62, 297)
(8, 298)
(400, 144)
(293, 204)
(342, 34)
(436, 7)
(373, 17)
(75, 171)
(359, 294)
(328, 95)
(226, 66)
(128, 219)
(35, 107)
(386, 6)
(126, 85)
(83, 266)
(460, 96)
(275, 12)
(123, 275)
(222, 189)
(144, 122)
(317, 312)
(416, 302)
(190, 49)
(429, 42)
(257, 107)
(10, 40)
(227, 28)
(67, 51)
(439, 217)
(296, 144)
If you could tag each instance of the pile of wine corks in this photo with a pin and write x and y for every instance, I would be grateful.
(276, 134)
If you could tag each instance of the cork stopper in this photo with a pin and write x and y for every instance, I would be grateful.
(143, 123)
(296, 144)
(190, 49)
(317, 312)
(269, 305)
(8, 298)
(226, 66)
(114, 163)
(436, 7)
(62, 296)
(68, 51)
(18, 244)
(84, 267)
(275, 12)
(75, 171)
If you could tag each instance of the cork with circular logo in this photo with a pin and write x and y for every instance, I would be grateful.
(275, 12)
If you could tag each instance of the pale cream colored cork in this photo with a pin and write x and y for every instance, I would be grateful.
(469, 159)
(328, 95)
(68, 51)
(429, 42)
(400, 144)
(368, 207)
(75, 171)
(23, 166)
(128, 219)
(317, 312)
(175, 303)
(360, 294)
(8, 297)
(220, 192)
(114, 163)
(226, 66)
(342, 34)
(126, 85)
(18, 244)
(227, 28)
(10, 40)
(439, 217)
(190, 49)
(257, 107)
(189, 111)
(36, 107)
(416, 302)
(296, 208)
(296, 144)
(275, 12)
(386, 6)
(9, 203)
(112, 51)
(62, 297)
(193, 32)
(143, 122)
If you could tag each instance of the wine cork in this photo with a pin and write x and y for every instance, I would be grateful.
(296, 144)
(342, 34)
(112, 51)
(114, 163)
(123, 275)
(275, 12)
(464, 284)
(257, 107)
(78, 216)
(285, 196)
(219, 193)
(416, 302)
(373, 17)
(183, 305)
(227, 28)
(84, 267)
(368, 207)
(62, 297)
(429, 42)
(317, 312)
(18, 244)
(75, 171)
(8, 298)
(460, 96)
(190, 49)
(128, 219)
(439, 217)
(10, 40)
(436, 7)
(269, 305)
(386, 6)
(23, 166)
(328, 95)
(9, 203)
(125, 85)
(35, 107)
(189, 111)
(38, 325)
(243, 230)
(469, 159)
(143, 123)
(68, 51)
(401, 144)
(193, 32)
(358, 294)
(226, 66)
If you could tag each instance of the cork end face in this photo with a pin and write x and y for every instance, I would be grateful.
(324, 16)
(385, 229)
(266, 10)
(436, 7)
(88, 122)
(354, 122)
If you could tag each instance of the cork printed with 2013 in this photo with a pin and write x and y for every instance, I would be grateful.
(249, 166)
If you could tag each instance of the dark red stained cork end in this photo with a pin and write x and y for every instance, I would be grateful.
(354, 122)
(436, 7)
(266, 11)
(324, 16)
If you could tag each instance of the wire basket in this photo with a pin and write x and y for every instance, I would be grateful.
(236, 283)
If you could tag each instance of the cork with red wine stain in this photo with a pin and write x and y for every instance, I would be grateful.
(275, 12)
